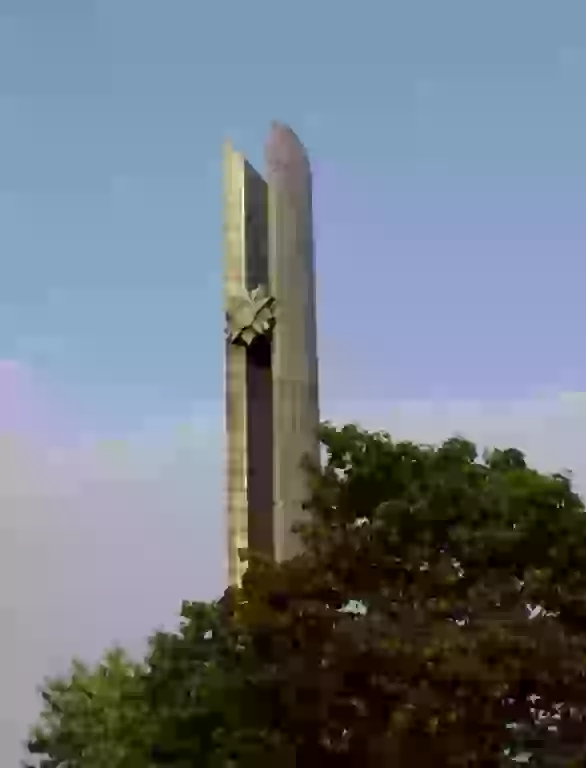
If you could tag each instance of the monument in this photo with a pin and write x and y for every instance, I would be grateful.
(272, 413)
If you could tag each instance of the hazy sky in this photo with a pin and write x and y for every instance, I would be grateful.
(449, 159)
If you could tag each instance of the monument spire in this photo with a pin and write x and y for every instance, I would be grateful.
(272, 413)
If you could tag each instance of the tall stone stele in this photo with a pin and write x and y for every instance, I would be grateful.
(272, 413)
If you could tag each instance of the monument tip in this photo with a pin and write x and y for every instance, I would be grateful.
(283, 143)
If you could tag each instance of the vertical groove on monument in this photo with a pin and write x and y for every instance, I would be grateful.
(295, 366)
(259, 384)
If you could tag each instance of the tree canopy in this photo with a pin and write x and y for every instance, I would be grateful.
(436, 616)
(95, 716)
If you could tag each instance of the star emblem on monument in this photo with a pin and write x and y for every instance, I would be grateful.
(249, 315)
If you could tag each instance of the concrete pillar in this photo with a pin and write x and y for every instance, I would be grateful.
(272, 411)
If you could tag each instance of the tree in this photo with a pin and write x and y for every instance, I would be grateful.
(469, 643)
(194, 685)
(95, 717)
(435, 617)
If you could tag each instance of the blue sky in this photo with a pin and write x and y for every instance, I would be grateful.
(449, 160)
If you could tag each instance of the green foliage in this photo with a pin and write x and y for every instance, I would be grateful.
(95, 717)
(470, 639)
(435, 618)
(193, 686)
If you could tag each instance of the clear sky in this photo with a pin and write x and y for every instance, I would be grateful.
(449, 157)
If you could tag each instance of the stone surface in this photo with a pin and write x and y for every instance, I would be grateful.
(295, 370)
(272, 411)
